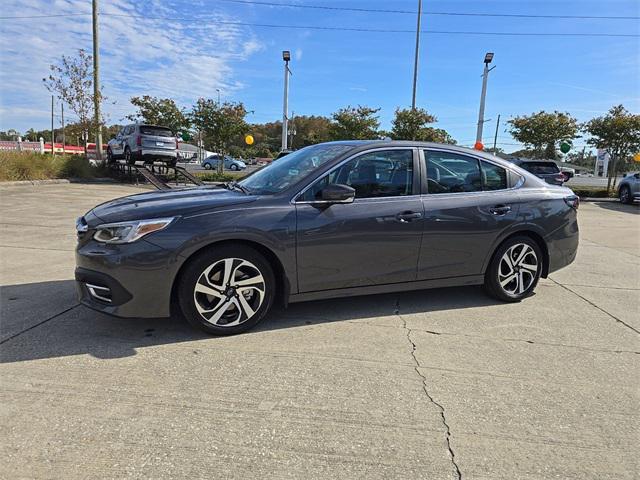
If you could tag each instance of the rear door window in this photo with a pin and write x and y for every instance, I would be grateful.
(155, 131)
(493, 176)
(452, 173)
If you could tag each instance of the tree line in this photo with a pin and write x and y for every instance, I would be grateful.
(223, 126)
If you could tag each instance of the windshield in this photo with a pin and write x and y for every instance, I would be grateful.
(288, 170)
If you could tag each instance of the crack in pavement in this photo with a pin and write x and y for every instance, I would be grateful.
(39, 323)
(417, 366)
(596, 306)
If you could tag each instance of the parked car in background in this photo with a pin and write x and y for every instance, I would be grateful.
(329, 220)
(141, 142)
(568, 172)
(629, 187)
(283, 153)
(230, 163)
(548, 170)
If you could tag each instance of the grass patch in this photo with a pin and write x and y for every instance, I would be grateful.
(34, 166)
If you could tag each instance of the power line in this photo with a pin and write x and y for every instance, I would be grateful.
(19, 17)
(427, 12)
(373, 30)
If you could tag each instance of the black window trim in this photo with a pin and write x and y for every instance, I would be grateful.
(417, 176)
(519, 179)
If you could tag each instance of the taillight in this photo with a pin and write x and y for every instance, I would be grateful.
(139, 141)
(573, 201)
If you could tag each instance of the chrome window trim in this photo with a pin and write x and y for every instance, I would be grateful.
(517, 185)
(413, 151)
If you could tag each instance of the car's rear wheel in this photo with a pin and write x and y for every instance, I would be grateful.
(625, 194)
(514, 270)
(227, 290)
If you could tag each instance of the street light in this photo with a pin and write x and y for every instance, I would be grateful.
(286, 56)
(485, 75)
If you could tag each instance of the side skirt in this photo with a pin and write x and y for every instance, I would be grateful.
(388, 288)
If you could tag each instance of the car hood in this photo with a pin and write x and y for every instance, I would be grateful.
(165, 203)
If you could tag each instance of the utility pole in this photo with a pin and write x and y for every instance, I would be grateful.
(286, 56)
(485, 75)
(415, 64)
(96, 81)
(62, 114)
(495, 138)
(53, 136)
(218, 90)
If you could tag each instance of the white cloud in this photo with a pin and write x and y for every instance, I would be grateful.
(298, 54)
(146, 48)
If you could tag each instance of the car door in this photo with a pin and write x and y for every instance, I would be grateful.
(373, 240)
(468, 203)
(116, 147)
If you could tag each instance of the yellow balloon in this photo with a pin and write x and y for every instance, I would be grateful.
(249, 139)
(636, 157)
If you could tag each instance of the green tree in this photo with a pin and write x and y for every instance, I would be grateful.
(354, 123)
(160, 111)
(71, 81)
(618, 132)
(220, 124)
(309, 130)
(543, 131)
(410, 124)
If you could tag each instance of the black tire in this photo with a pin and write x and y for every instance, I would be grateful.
(110, 158)
(233, 167)
(128, 157)
(207, 166)
(498, 270)
(625, 194)
(207, 270)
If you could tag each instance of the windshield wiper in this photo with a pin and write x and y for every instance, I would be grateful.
(236, 186)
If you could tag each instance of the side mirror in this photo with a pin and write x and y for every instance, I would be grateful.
(337, 193)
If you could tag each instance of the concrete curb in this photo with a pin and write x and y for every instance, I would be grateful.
(55, 181)
(595, 199)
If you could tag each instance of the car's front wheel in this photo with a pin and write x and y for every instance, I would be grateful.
(234, 167)
(227, 290)
(625, 194)
(514, 270)
(128, 156)
(207, 166)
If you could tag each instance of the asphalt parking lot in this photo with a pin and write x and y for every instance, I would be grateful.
(433, 384)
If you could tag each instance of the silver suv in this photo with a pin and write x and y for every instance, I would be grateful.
(147, 143)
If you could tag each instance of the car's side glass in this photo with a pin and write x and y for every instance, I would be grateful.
(493, 176)
(384, 173)
(451, 173)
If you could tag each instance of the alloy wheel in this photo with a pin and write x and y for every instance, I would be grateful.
(229, 292)
(624, 195)
(518, 269)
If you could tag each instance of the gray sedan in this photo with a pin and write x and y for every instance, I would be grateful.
(330, 220)
(629, 188)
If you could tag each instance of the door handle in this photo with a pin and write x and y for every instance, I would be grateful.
(406, 217)
(500, 209)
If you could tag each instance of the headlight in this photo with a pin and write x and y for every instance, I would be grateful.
(127, 232)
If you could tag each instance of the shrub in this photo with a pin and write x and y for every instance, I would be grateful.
(592, 192)
(34, 166)
(217, 177)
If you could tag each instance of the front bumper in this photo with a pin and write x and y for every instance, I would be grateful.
(130, 280)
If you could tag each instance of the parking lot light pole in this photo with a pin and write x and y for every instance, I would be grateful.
(96, 81)
(286, 56)
(485, 75)
(415, 63)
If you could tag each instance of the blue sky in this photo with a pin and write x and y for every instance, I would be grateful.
(180, 49)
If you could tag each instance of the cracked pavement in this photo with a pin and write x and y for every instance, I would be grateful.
(439, 384)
